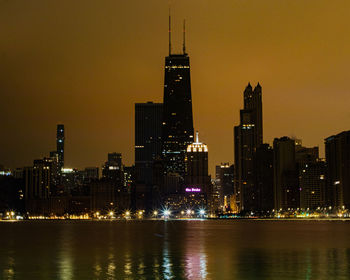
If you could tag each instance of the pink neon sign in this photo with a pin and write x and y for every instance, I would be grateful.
(193, 190)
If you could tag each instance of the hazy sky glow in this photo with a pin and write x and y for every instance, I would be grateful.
(85, 63)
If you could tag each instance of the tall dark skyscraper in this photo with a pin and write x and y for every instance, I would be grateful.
(338, 170)
(60, 146)
(264, 177)
(177, 129)
(148, 139)
(286, 191)
(253, 107)
(248, 136)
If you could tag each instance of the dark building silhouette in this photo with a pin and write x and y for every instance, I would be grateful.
(148, 139)
(177, 126)
(312, 183)
(311, 176)
(105, 196)
(60, 146)
(55, 170)
(37, 185)
(286, 190)
(90, 174)
(248, 136)
(264, 177)
(305, 155)
(338, 170)
(113, 169)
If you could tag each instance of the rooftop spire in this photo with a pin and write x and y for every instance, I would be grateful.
(197, 137)
(169, 32)
(184, 38)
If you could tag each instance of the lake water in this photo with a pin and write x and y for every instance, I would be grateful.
(209, 249)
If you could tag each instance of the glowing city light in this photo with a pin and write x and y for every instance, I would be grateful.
(193, 190)
(166, 213)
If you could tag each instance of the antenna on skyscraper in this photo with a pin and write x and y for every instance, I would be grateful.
(169, 32)
(184, 38)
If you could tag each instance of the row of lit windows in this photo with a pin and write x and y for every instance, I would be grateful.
(176, 67)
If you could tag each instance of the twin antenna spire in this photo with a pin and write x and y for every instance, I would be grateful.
(184, 35)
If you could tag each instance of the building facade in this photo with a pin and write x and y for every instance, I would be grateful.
(338, 170)
(60, 146)
(177, 125)
(248, 136)
(148, 139)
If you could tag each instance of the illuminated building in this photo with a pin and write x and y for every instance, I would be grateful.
(248, 136)
(197, 165)
(338, 170)
(286, 191)
(177, 126)
(60, 146)
(196, 192)
(224, 180)
(148, 139)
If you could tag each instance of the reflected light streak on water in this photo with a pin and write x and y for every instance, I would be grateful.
(167, 265)
(175, 250)
(65, 263)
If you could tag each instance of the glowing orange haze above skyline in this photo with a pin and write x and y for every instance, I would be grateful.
(85, 63)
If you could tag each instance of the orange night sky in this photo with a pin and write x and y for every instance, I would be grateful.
(85, 63)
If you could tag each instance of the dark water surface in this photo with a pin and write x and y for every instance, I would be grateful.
(221, 249)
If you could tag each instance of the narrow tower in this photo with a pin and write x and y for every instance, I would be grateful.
(60, 146)
(177, 126)
(248, 137)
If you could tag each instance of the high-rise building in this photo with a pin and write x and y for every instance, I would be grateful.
(311, 176)
(60, 146)
(197, 165)
(286, 190)
(264, 177)
(224, 174)
(177, 126)
(253, 103)
(148, 139)
(37, 185)
(248, 136)
(312, 183)
(338, 170)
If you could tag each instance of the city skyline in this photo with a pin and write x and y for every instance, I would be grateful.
(290, 105)
(174, 139)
